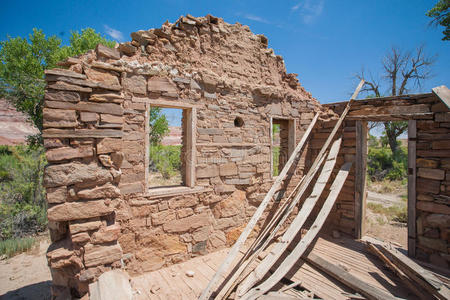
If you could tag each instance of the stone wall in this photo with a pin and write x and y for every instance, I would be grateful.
(433, 187)
(432, 196)
(101, 214)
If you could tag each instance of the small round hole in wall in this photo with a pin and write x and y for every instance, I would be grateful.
(238, 122)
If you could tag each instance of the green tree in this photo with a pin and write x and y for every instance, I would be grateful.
(159, 126)
(441, 15)
(403, 72)
(23, 61)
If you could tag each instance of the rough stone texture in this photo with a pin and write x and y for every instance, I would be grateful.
(101, 254)
(97, 161)
(78, 210)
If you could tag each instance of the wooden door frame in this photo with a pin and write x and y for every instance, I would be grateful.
(361, 186)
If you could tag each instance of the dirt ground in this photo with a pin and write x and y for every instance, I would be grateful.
(26, 276)
(379, 226)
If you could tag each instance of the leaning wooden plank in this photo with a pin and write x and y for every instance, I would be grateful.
(443, 93)
(419, 275)
(369, 291)
(306, 241)
(397, 271)
(257, 215)
(281, 215)
(261, 242)
(307, 207)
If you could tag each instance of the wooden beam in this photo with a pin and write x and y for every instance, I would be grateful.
(404, 279)
(164, 103)
(422, 277)
(306, 241)
(191, 149)
(369, 291)
(277, 251)
(412, 135)
(360, 178)
(256, 216)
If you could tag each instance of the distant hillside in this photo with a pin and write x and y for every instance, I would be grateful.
(174, 136)
(14, 127)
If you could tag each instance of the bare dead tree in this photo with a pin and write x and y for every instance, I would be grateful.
(403, 72)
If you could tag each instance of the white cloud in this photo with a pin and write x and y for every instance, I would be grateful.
(114, 33)
(309, 10)
(256, 18)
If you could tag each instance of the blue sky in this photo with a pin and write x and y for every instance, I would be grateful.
(324, 41)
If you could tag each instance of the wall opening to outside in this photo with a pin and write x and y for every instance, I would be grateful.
(282, 143)
(166, 147)
(386, 215)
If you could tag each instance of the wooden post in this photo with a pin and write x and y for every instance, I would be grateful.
(147, 147)
(191, 150)
(291, 136)
(412, 134)
(360, 178)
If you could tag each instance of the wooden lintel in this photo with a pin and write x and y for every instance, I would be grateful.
(81, 133)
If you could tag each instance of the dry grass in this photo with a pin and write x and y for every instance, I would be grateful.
(396, 213)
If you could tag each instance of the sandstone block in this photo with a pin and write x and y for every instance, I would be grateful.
(75, 172)
(108, 145)
(63, 86)
(435, 244)
(135, 84)
(117, 159)
(442, 117)
(80, 226)
(88, 117)
(62, 96)
(78, 210)
(56, 195)
(127, 49)
(187, 224)
(105, 160)
(433, 207)
(106, 234)
(64, 72)
(105, 191)
(107, 52)
(445, 144)
(428, 185)
(131, 188)
(80, 238)
(228, 169)
(163, 217)
(95, 255)
(426, 163)
(59, 118)
(231, 206)
(114, 284)
(207, 171)
(187, 201)
(161, 84)
(184, 212)
(429, 173)
(65, 153)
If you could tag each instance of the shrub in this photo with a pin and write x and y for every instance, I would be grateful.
(276, 160)
(165, 159)
(10, 247)
(22, 196)
(382, 164)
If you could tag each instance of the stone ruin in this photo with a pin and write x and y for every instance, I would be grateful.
(231, 87)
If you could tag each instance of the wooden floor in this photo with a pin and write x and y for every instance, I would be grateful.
(173, 283)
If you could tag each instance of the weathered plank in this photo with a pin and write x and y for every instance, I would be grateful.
(397, 271)
(419, 275)
(412, 135)
(348, 279)
(257, 215)
(307, 207)
(306, 241)
(443, 93)
(360, 178)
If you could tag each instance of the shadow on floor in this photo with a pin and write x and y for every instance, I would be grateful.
(39, 290)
